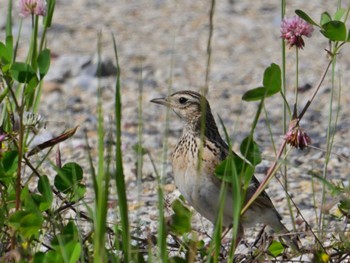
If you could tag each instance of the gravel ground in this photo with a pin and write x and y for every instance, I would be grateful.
(163, 43)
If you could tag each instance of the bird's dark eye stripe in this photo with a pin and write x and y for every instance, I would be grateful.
(193, 94)
(182, 100)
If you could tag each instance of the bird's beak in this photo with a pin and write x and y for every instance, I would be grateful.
(161, 101)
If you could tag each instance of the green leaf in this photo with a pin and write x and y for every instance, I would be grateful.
(68, 177)
(5, 54)
(27, 223)
(229, 167)
(79, 192)
(30, 200)
(276, 248)
(339, 14)
(39, 257)
(325, 18)
(53, 256)
(248, 174)
(23, 72)
(9, 43)
(6, 68)
(73, 249)
(6, 50)
(9, 162)
(334, 30)
(44, 62)
(272, 79)
(67, 243)
(254, 94)
(250, 149)
(68, 233)
(44, 188)
(181, 219)
(306, 17)
(272, 84)
(30, 89)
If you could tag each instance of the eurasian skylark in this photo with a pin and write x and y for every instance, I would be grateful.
(195, 178)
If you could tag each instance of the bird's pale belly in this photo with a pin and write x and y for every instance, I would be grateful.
(199, 191)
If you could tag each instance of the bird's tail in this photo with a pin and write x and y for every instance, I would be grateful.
(291, 240)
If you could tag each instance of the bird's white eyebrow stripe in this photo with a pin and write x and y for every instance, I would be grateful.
(190, 93)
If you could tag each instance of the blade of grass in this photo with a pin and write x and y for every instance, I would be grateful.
(47, 21)
(331, 130)
(102, 178)
(139, 149)
(215, 243)
(284, 168)
(9, 19)
(119, 175)
(237, 197)
(92, 168)
(9, 36)
(162, 227)
(162, 231)
(211, 31)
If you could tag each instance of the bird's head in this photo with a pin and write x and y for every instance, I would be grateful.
(188, 105)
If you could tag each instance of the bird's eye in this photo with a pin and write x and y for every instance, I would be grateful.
(182, 100)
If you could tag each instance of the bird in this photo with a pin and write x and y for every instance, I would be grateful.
(195, 159)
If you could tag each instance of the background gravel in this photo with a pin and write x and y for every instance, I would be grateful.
(163, 43)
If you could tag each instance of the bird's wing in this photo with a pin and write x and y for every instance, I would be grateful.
(263, 200)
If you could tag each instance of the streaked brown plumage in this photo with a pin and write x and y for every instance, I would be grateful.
(195, 178)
